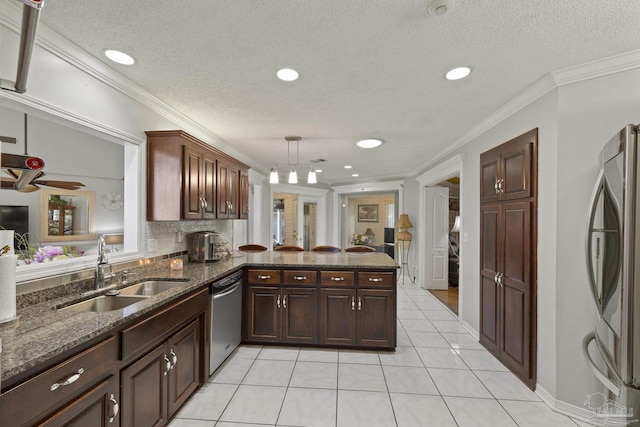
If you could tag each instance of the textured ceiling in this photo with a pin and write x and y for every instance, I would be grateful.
(368, 68)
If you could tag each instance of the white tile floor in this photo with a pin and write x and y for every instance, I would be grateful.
(438, 376)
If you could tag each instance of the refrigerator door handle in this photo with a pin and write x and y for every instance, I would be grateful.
(597, 191)
(601, 376)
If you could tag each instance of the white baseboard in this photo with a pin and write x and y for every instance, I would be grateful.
(564, 408)
(475, 334)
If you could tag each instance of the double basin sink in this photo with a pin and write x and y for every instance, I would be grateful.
(125, 297)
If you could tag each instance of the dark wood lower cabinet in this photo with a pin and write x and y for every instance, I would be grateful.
(338, 316)
(97, 407)
(278, 314)
(154, 387)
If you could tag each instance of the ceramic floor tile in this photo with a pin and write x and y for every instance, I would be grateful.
(361, 377)
(226, 424)
(411, 289)
(458, 382)
(403, 379)
(418, 325)
(410, 314)
(208, 402)
(269, 372)
(309, 407)
(481, 360)
(359, 356)
(247, 351)
(440, 315)
(478, 412)
(364, 409)
(407, 305)
(412, 410)
(255, 404)
(535, 414)
(403, 356)
(315, 375)
(178, 422)
(440, 358)
(318, 355)
(403, 340)
(505, 385)
(279, 353)
(462, 341)
(427, 339)
(232, 371)
(429, 305)
(449, 326)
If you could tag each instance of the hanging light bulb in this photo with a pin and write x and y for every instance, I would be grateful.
(293, 176)
(273, 177)
(312, 178)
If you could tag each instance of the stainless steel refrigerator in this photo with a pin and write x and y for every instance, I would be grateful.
(613, 260)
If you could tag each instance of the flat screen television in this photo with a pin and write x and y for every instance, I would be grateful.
(15, 218)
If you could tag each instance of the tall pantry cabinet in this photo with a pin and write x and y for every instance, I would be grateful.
(508, 236)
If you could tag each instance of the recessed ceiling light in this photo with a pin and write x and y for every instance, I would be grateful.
(355, 174)
(369, 143)
(287, 74)
(348, 166)
(458, 73)
(119, 57)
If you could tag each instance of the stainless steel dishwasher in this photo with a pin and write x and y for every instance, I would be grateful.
(226, 318)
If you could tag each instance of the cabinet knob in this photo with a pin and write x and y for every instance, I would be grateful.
(70, 380)
(114, 408)
(300, 277)
(375, 279)
(336, 279)
(266, 277)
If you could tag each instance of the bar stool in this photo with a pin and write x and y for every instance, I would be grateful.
(252, 247)
(325, 248)
(289, 248)
(360, 248)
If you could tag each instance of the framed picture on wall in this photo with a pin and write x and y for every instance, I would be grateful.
(367, 213)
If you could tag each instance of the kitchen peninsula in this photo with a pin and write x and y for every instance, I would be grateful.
(345, 300)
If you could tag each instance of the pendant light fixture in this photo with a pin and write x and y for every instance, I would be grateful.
(293, 174)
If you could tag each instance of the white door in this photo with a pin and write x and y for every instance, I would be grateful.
(436, 237)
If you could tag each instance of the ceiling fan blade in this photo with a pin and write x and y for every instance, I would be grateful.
(68, 185)
(12, 173)
(25, 178)
(10, 184)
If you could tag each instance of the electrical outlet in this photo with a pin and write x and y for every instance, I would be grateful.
(152, 245)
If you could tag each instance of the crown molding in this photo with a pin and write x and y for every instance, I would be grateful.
(368, 187)
(598, 68)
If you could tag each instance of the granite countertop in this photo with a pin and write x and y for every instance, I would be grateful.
(41, 332)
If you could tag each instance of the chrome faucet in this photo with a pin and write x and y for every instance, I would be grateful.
(103, 261)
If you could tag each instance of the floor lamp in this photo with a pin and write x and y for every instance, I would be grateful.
(403, 244)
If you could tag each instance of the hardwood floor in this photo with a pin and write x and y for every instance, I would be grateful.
(448, 297)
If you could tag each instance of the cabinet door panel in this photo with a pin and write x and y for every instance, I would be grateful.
(93, 408)
(515, 330)
(191, 184)
(517, 243)
(489, 175)
(144, 390)
(244, 194)
(208, 186)
(337, 316)
(490, 259)
(233, 191)
(183, 378)
(376, 309)
(223, 185)
(300, 311)
(516, 167)
(263, 317)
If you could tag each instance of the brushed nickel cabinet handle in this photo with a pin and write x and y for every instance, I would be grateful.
(495, 186)
(300, 277)
(375, 279)
(114, 407)
(359, 303)
(266, 277)
(174, 359)
(278, 301)
(495, 278)
(70, 380)
(167, 365)
(353, 303)
(336, 279)
(284, 301)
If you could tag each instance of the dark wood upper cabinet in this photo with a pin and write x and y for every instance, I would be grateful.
(508, 254)
(188, 179)
(244, 194)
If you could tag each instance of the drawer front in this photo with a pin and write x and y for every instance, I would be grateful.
(337, 278)
(375, 279)
(263, 277)
(150, 332)
(44, 393)
(300, 277)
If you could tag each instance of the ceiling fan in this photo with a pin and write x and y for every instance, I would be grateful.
(25, 170)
